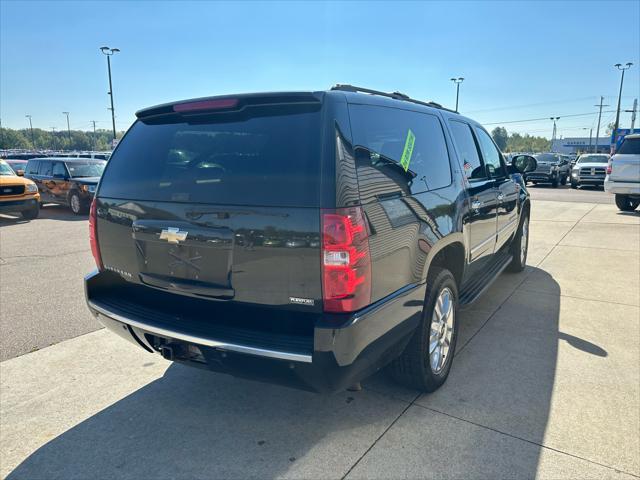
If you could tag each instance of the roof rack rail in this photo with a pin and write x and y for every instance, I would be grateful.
(394, 95)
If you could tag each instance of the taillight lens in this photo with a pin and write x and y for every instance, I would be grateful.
(609, 165)
(93, 234)
(346, 262)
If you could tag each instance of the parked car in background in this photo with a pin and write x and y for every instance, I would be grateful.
(589, 169)
(18, 166)
(66, 181)
(415, 209)
(18, 194)
(551, 169)
(623, 174)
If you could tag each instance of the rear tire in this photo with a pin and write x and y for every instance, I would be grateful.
(32, 213)
(420, 366)
(75, 204)
(520, 246)
(626, 203)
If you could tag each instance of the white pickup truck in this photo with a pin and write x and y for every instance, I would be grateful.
(623, 174)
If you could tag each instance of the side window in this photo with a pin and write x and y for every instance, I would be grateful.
(32, 167)
(468, 151)
(58, 169)
(490, 154)
(45, 169)
(398, 150)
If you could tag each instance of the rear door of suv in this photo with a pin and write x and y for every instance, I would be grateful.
(219, 200)
(483, 199)
(505, 187)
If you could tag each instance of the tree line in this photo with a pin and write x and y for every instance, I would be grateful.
(515, 142)
(48, 140)
(101, 140)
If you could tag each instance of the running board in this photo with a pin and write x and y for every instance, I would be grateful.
(476, 286)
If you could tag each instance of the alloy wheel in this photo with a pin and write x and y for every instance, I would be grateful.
(441, 331)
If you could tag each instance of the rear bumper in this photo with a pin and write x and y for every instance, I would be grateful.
(11, 206)
(622, 188)
(343, 350)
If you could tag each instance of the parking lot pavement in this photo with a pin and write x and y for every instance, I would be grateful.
(42, 263)
(564, 193)
(546, 384)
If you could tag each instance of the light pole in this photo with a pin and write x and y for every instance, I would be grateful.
(457, 81)
(600, 105)
(53, 133)
(33, 143)
(553, 134)
(68, 128)
(108, 52)
(619, 66)
(590, 137)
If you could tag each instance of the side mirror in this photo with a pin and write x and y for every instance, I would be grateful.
(524, 163)
(20, 173)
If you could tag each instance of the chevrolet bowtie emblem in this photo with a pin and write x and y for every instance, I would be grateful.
(173, 235)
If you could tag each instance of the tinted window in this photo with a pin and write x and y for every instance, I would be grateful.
(32, 167)
(409, 148)
(490, 154)
(593, 159)
(45, 168)
(272, 159)
(467, 150)
(58, 169)
(547, 157)
(630, 146)
(88, 169)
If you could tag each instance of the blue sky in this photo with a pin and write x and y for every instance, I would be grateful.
(520, 60)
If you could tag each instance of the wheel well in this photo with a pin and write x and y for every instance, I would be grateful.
(452, 258)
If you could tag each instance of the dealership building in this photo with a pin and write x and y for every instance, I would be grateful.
(581, 145)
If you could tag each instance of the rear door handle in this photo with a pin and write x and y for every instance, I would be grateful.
(476, 204)
(500, 197)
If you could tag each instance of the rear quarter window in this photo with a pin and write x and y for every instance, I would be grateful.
(32, 167)
(271, 158)
(630, 146)
(398, 151)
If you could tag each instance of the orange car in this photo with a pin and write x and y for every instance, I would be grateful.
(18, 194)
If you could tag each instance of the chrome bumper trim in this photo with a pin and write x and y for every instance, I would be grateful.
(209, 342)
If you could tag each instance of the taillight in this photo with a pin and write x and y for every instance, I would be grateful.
(93, 234)
(609, 166)
(346, 263)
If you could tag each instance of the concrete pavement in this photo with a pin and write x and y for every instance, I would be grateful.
(546, 384)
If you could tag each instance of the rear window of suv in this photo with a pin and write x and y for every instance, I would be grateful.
(630, 146)
(271, 158)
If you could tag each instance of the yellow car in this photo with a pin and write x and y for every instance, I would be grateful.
(18, 194)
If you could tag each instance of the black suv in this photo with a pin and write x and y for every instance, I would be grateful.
(66, 181)
(304, 238)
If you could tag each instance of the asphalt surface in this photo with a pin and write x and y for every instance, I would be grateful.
(564, 193)
(42, 264)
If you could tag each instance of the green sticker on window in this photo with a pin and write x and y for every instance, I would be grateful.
(405, 160)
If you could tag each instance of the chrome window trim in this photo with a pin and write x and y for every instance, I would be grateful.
(261, 352)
